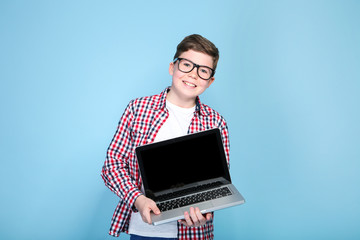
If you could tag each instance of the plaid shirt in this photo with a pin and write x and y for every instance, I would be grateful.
(139, 125)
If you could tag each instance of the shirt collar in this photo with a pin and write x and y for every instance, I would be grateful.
(161, 103)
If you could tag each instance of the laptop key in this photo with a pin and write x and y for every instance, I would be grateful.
(193, 199)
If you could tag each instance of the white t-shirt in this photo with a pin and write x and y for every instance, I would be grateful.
(176, 125)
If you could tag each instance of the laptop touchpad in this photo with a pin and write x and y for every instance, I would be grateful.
(203, 206)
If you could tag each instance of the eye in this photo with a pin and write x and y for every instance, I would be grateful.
(204, 70)
(186, 64)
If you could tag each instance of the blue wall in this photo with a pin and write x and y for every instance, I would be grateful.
(288, 83)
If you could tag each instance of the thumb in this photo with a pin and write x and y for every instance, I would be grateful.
(155, 209)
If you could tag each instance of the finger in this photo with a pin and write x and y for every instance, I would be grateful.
(208, 216)
(187, 219)
(183, 222)
(200, 217)
(194, 217)
(146, 216)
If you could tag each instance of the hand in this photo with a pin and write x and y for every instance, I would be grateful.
(195, 218)
(145, 205)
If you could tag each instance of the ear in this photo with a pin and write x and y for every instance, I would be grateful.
(210, 81)
(171, 68)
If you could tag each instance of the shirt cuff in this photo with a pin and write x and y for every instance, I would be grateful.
(131, 197)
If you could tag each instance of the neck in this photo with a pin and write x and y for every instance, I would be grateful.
(184, 103)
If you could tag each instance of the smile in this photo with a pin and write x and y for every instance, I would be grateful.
(189, 84)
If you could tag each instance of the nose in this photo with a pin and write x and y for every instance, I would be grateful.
(193, 73)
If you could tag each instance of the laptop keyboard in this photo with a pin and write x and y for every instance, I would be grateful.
(195, 198)
(187, 191)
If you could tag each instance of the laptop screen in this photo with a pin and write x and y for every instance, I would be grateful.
(184, 160)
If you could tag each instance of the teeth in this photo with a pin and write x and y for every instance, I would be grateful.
(189, 84)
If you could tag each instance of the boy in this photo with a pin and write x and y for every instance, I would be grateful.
(174, 112)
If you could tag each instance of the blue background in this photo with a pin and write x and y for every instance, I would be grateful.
(288, 84)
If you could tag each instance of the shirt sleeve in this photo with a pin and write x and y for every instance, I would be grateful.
(225, 138)
(117, 175)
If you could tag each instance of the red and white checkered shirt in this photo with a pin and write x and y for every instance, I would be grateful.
(139, 125)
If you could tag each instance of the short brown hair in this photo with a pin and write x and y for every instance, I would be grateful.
(198, 43)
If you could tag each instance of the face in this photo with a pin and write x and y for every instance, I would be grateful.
(187, 86)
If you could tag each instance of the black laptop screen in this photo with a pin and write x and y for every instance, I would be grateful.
(183, 160)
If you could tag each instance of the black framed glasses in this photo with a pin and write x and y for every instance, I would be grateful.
(204, 72)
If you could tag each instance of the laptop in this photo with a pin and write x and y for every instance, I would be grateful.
(187, 171)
